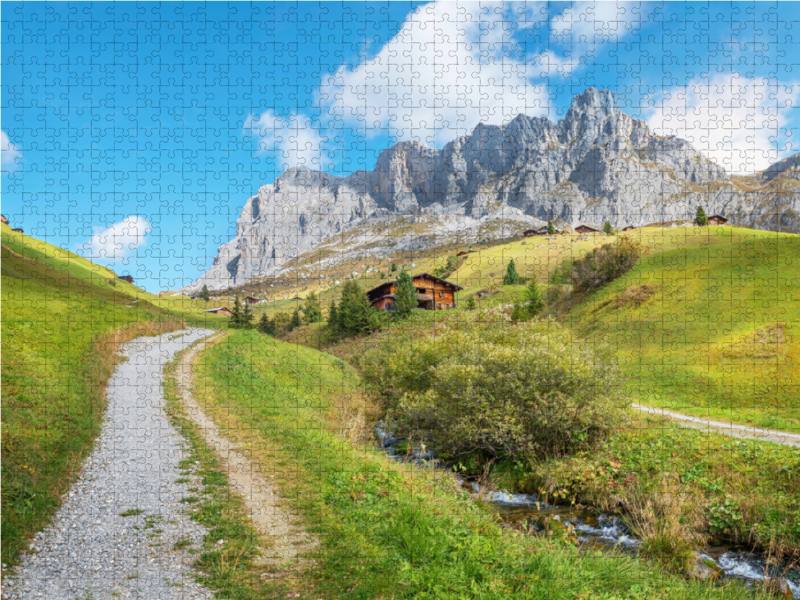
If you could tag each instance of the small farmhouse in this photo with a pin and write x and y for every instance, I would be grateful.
(533, 232)
(717, 220)
(127, 278)
(433, 293)
(582, 228)
(219, 311)
(628, 228)
(18, 230)
(462, 253)
(3, 219)
(251, 300)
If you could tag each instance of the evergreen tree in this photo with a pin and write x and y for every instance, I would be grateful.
(312, 310)
(247, 316)
(700, 218)
(405, 298)
(394, 267)
(265, 325)
(607, 229)
(534, 303)
(204, 295)
(333, 317)
(511, 277)
(550, 229)
(355, 313)
(295, 322)
(471, 302)
(236, 313)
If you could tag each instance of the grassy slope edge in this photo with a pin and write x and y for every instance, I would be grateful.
(387, 529)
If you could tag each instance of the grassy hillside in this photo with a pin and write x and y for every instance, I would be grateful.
(708, 323)
(63, 317)
(387, 529)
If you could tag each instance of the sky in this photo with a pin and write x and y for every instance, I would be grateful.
(133, 133)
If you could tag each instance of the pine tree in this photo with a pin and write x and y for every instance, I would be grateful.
(312, 310)
(511, 277)
(355, 313)
(550, 229)
(534, 303)
(204, 295)
(700, 218)
(295, 322)
(405, 298)
(265, 325)
(607, 229)
(247, 316)
(394, 267)
(471, 302)
(333, 317)
(236, 313)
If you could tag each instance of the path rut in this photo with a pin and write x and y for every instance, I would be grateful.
(91, 550)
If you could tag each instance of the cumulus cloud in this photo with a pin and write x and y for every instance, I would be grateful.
(448, 68)
(733, 120)
(117, 241)
(295, 140)
(9, 154)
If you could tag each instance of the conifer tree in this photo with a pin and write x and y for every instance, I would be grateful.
(511, 277)
(700, 218)
(204, 295)
(550, 229)
(333, 317)
(247, 317)
(607, 229)
(265, 325)
(405, 298)
(394, 267)
(236, 313)
(295, 322)
(471, 302)
(312, 310)
(355, 312)
(534, 303)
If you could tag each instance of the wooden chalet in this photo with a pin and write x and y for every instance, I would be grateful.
(127, 278)
(18, 230)
(628, 228)
(3, 219)
(717, 220)
(251, 300)
(433, 293)
(462, 253)
(582, 228)
(219, 311)
(533, 232)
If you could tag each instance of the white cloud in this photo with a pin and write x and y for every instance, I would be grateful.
(733, 120)
(450, 66)
(296, 138)
(8, 153)
(118, 240)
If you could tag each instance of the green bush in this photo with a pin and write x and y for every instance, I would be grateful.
(604, 264)
(500, 388)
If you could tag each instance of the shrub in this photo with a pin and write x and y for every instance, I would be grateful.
(500, 389)
(560, 274)
(604, 264)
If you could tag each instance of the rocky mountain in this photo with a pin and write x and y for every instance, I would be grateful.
(594, 165)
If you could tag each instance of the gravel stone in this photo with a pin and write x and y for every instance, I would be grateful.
(91, 550)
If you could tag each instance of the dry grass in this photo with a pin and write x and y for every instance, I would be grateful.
(636, 295)
(765, 342)
(353, 415)
(667, 520)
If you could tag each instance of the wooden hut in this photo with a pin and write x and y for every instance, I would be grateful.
(127, 278)
(628, 228)
(3, 219)
(219, 311)
(582, 228)
(433, 293)
(252, 300)
(717, 220)
(18, 230)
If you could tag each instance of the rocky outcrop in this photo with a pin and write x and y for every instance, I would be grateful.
(596, 164)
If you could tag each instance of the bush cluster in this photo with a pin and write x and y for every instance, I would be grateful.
(604, 264)
(501, 389)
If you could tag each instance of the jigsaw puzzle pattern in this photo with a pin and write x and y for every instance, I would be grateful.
(608, 184)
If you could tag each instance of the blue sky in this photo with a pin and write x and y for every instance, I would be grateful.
(133, 133)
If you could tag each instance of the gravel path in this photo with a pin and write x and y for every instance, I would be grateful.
(740, 431)
(92, 551)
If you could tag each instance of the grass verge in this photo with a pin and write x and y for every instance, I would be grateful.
(389, 530)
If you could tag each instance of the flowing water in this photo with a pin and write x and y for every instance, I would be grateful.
(596, 529)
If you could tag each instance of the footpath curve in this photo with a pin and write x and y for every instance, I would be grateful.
(115, 533)
(737, 431)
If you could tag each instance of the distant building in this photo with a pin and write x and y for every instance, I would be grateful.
(717, 220)
(628, 228)
(433, 293)
(127, 278)
(251, 300)
(219, 311)
(585, 229)
(3, 219)
(18, 230)
(533, 232)
(462, 253)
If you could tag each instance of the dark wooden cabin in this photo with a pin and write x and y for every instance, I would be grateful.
(127, 278)
(433, 293)
(628, 228)
(585, 229)
(462, 253)
(18, 230)
(219, 311)
(251, 300)
(533, 232)
(3, 219)
(717, 220)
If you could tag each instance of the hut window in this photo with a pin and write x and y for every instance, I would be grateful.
(420, 290)
(441, 294)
